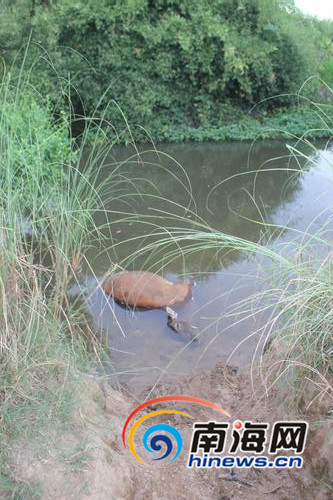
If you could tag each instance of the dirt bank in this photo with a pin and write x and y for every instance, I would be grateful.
(90, 463)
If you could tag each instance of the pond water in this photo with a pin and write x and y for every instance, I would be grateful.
(143, 350)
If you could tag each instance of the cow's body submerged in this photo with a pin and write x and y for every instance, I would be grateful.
(146, 290)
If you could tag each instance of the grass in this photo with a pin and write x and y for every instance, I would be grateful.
(48, 199)
(303, 337)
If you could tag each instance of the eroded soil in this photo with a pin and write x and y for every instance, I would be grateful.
(97, 467)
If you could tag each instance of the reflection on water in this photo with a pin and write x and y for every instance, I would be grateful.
(142, 347)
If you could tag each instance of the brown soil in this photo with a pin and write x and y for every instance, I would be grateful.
(97, 467)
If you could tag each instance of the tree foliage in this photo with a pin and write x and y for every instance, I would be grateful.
(166, 63)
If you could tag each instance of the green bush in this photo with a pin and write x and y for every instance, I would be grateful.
(165, 64)
(34, 148)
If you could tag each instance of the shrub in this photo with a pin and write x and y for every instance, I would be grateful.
(167, 63)
(35, 148)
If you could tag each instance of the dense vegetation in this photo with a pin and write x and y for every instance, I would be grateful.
(45, 225)
(178, 69)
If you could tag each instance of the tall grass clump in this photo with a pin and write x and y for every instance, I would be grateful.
(299, 361)
(47, 202)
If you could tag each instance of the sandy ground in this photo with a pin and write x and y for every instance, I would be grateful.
(97, 467)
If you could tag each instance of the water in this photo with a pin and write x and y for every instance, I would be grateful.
(143, 350)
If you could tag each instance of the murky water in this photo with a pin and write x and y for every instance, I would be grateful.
(143, 349)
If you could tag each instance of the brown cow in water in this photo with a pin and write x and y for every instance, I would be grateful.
(150, 291)
(143, 289)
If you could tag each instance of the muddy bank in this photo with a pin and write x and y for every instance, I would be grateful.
(89, 462)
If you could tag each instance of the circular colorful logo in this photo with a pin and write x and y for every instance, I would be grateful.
(171, 441)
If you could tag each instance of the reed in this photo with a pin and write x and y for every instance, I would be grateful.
(50, 188)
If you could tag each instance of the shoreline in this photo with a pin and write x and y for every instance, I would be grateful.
(302, 124)
(106, 470)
